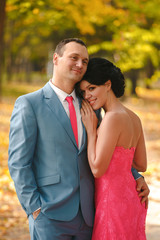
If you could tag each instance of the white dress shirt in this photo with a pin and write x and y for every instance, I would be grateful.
(62, 97)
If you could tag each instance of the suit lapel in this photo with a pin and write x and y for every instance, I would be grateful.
(84, 140)
(57, 108)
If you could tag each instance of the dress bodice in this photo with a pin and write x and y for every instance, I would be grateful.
(119, 213)
(122, 158)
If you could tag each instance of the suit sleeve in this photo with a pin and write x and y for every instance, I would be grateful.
(99, 116)
(22, 142)
(135, 174)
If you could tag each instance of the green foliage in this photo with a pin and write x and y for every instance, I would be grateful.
(34, 27)
(131, 36)
(128, 32)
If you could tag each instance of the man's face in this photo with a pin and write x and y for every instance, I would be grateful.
(73, 63)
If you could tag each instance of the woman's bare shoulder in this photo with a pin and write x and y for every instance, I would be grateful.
(132, 114)
(112, 119)
(114, 116)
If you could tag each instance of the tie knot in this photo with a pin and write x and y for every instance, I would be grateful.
(69, 99)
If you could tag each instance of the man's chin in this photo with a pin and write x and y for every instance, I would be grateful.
(77, 78)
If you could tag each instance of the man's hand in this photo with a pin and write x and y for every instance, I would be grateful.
(142, 187)
(36, 213)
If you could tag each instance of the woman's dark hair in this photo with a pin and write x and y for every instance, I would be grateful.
(100, 70)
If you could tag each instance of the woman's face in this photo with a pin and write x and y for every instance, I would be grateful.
(94, 94)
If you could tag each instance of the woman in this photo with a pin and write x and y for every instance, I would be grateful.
(113, 148)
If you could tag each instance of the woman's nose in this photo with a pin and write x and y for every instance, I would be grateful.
(87, 95)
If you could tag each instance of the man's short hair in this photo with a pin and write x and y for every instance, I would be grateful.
(60, 46)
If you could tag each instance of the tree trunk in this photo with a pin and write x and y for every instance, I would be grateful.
(134, 76)
(2, 20)
(134, 84)
(149, 72)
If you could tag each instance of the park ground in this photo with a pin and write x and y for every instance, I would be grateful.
(13, 220)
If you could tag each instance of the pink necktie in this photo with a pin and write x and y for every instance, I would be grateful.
(73, 117)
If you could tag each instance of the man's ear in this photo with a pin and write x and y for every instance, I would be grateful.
(55, 58)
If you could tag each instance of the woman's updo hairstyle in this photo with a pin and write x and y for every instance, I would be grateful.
(100, 70)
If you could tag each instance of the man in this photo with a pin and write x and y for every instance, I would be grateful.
(49, 167)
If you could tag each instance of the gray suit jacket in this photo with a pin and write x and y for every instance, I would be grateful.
(48, 169)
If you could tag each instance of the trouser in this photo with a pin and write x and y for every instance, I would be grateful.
(44, 228)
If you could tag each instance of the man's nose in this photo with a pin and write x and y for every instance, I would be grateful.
(79, 63)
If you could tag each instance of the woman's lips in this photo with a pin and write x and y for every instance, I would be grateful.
(91, 102)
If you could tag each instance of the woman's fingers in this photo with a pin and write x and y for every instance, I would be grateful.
(87, 107)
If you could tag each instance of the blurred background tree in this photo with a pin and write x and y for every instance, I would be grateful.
(126, 32)
(2, 21)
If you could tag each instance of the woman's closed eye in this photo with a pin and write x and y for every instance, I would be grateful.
(91, 88)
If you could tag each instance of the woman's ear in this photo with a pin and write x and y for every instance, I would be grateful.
(108, 84)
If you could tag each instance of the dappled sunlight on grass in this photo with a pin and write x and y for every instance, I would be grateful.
(17, 89)
(148, 93)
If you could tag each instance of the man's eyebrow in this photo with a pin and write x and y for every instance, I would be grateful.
(77, 54)
(73, 53)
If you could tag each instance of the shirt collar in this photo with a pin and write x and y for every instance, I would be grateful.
(60, 93)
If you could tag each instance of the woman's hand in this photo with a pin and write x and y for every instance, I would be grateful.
(90, 122)
(89, 117)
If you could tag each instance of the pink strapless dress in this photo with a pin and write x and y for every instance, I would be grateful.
(119, 213)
